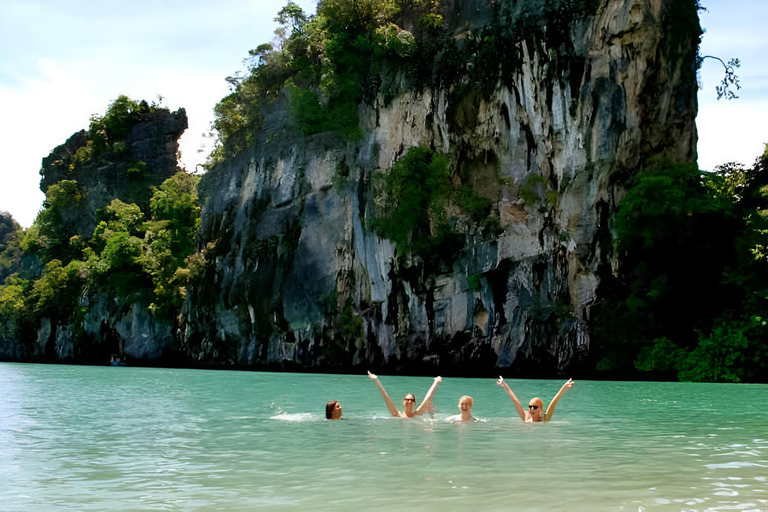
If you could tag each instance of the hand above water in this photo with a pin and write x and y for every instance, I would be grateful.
(372, 376)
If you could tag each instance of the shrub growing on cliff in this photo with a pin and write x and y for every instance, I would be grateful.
(414, 194)
(329, 62)
(130, 254)
(171, 237)
(107, 132)
(56, 292)
(56, 224)
(11, 234)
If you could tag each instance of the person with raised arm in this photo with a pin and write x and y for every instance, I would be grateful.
(409, 400)
(535, 412)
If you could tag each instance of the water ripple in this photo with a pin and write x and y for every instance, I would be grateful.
(92, 439)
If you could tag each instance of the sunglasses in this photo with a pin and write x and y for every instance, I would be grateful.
(534, 407)
(409, 399)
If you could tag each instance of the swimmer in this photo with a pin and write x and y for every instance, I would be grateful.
(465, 406)
(409, 400)
(333, 410)
(535, 412)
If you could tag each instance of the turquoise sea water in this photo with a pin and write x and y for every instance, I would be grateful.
(98, 438)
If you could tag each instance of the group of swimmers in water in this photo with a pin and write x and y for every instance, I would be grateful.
(534, 414)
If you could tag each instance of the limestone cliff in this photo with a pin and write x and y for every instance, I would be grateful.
(98, 322)
(293, 273)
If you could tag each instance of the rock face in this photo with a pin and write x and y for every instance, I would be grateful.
(153, 140)
(295, 274)
(109, 325)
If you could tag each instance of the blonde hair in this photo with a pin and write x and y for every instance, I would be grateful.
(537, 401)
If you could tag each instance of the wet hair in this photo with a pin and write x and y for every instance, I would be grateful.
(329, 407)
(410, 394)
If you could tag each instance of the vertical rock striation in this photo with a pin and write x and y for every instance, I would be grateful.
(587, 93)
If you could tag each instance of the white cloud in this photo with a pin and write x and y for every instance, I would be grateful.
(730, 131)
(37, 117)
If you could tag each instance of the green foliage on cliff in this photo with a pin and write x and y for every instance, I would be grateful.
(127, 254)
(328, 62)
(11, 234)
(53, 236)
(350, 51)
(171, 237)
(135, 250)
(692, 289)
(415, 198)
(56, 292)
(107, 133)
(414, 195)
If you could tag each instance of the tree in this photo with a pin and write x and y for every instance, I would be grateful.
(175, 205)
(171, 237)
(292, 16)
(730, 79)
(676, 242)
(11, 234)
(57, 223)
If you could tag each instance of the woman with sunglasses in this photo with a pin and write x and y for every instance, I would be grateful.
(535, 412)
(409, 400)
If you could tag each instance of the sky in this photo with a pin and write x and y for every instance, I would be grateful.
(62, 61)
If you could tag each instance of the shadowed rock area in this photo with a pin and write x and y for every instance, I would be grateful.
(296, 276)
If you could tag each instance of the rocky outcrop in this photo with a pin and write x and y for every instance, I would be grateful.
(295, 274)
(150, 150)
(103, 324)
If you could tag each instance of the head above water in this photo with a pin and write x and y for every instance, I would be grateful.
(465, 403)
(332, 410)
(536, 408)
(409, 399)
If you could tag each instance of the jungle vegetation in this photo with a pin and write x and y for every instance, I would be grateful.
(690, 298)
(51, 270)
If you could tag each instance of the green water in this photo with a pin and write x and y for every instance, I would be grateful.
(94, 438)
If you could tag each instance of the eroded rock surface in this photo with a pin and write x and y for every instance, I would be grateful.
(295, 274)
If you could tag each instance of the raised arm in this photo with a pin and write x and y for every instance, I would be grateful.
(503, 385)
(390, 405)
(551, 409)
(424, 405)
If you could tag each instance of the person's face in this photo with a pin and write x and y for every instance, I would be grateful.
(336, 412)
(409, 401)
(465, 404)
(534, 407)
